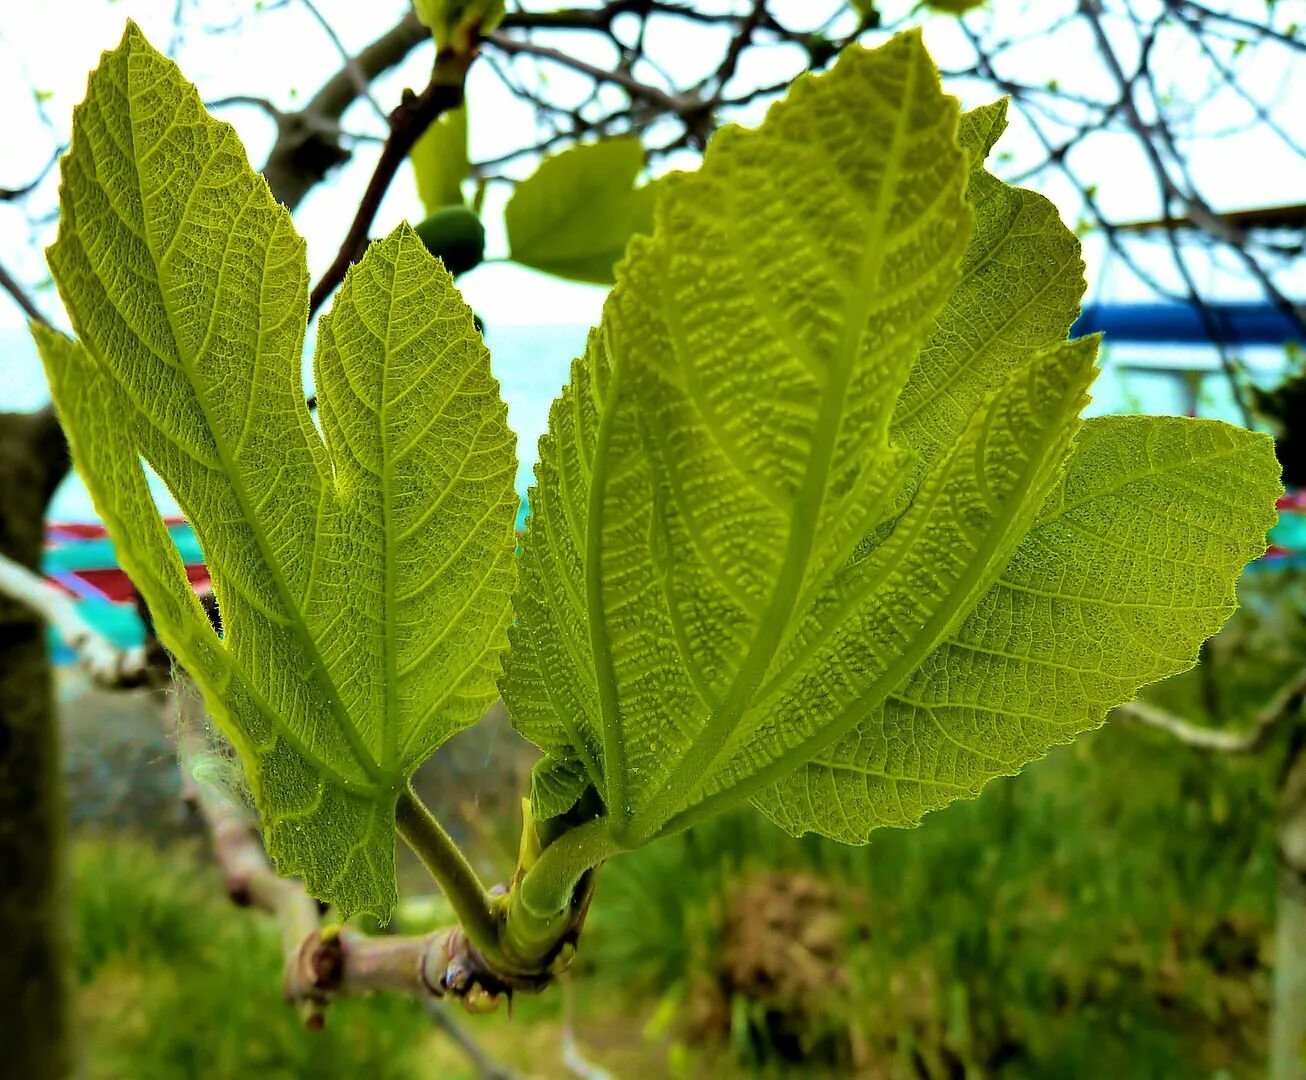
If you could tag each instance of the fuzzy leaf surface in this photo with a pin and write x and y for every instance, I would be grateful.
(1130, 565)
(362, 575)
(828, 400)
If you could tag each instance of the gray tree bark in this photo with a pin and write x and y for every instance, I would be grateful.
(35, 1027)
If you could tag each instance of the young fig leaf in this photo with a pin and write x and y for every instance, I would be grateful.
(362, 573)
(804, 527)
(455, 24)
(954, 7)
(574, 216)
(440, 162)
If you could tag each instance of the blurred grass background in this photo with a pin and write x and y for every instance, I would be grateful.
(1109, 913)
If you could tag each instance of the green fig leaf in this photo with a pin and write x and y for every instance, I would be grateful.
(440, 163)
(362, 574)
(574, 216)
(828, 406)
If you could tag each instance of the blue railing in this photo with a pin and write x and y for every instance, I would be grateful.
(1182, 324)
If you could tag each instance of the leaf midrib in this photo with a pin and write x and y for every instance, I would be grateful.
(389, 644)
(297, 627)
(611, 721)
(970, 585)
(703, 754)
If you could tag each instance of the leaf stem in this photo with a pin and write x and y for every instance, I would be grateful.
(473, 905)
(548, 904)
(548, 886)
(520, 934)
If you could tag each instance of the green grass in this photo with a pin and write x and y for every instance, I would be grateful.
(1103, 914)
(1106, 914)
(175, 982)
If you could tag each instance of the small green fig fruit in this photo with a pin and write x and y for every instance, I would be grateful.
(456, 235)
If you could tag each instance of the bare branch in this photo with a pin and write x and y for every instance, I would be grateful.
(677, 106)
(306, 147)
(352, 67)
(1286, 701)
(305, 151)
(320, 964)
(107, 664)
(11, 194)
(573, 1059)
(1169, 191)
(1259, 29)
(407, 123)
(20, 297)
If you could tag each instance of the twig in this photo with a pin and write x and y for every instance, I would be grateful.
(573, 1060)
(489, 1070)
(1169, 192)
(678, 106)
(11, 286)
(108, 665)
(306, 148)
(407, 123)
(361, 86)
(1235, 20)
(11, 194)
(319, 963)
(742, 40)
(602, 18)
(1288, 699)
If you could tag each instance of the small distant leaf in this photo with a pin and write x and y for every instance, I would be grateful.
(805, 501)
(556, 785)
(440, 161)
(576, 213)
(362, 574)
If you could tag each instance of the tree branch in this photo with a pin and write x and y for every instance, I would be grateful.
(320, 964)
(108, 665)
(362, 84)
(1261, 29)
(677, 106)
(1287, 700)
(407, 123)
(307, 145)
(20, 297)
(304, 152)
(12, 194)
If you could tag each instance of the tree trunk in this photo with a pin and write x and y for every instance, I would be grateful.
(35, 1026)
(1288, 1021)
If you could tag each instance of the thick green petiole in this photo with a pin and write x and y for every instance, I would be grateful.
(477, 911)
(518, 935)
